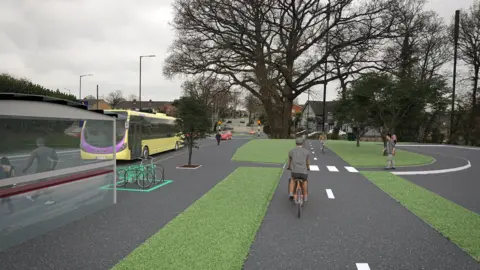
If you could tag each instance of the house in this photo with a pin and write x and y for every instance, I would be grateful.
(313, 110)
(94, 104)
(296, 109)
(158, 106)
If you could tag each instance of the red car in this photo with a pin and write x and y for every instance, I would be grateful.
(226, 135)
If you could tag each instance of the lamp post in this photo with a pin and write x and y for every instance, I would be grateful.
(80, 88)
(140, 80)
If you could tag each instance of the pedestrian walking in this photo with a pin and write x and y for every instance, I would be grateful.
(47, 160)
(6, 171)
(390, 149)
(218, 137)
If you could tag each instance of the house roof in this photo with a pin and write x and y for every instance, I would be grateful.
(145, 104)
(317, 106)
(297, 108)
(92, 101)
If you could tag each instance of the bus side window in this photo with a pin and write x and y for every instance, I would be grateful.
(169, 128)
(157, 128)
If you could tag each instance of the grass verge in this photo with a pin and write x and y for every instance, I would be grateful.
(459, 225)
(264, 151)
(215, 232)
(369, 154)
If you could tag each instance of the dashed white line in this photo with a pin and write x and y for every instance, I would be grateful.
(351, 169)
(314, 158)
(332, 168)
(313, 152)
(363, 266)
(330, 194)
(314, 168)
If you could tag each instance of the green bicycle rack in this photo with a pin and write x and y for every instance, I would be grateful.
(144, 175)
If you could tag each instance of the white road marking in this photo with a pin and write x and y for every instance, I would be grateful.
(311, 148)
(437, 145)
(313, 152)
(363, 266)
(332, 168)
(351, 169)
(314, 158)
(435, 171)
(330, 194)
(314, 168)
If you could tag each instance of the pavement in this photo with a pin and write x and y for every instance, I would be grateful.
(460, 187)
(102, 239)
(360, 225)
(347, 221)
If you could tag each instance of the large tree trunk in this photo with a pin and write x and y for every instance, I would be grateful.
(358, 138)
(279, 119)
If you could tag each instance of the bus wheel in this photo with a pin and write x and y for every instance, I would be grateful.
(176, 146)
(146, 153)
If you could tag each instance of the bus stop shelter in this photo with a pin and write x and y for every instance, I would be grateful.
(45, 182)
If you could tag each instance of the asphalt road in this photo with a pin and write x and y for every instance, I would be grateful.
(460, 187)
(361, 224)
(100, 240)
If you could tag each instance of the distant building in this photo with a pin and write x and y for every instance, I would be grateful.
(157, 106)
(93, 104)
(313, 110)
(296, 109)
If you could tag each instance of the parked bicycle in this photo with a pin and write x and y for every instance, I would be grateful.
(143, 174)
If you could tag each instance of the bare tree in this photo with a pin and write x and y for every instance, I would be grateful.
(132, 97)
(114, 98)
(275, 49)
(469, 52)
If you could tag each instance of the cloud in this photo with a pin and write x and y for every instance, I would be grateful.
(52, 42)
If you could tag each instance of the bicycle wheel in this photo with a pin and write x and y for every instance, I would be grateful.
(144, 179)
(129, 176)
(299, 201)
(121, 180)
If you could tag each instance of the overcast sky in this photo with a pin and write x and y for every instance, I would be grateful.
(52, 42)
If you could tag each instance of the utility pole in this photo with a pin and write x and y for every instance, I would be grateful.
(97, 96)
(80, 86)
(324, 117)
(140, 80)
(454, 79)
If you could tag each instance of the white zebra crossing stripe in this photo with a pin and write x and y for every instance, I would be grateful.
(332, 168)
(363, 266)
(314, 168)
(351, 169)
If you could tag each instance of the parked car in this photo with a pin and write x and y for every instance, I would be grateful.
(226, 135)
(252, 132)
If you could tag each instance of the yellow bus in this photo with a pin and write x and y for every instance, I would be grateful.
(139, 134)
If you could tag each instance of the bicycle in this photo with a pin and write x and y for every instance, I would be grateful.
(143, 175)
(298, 195)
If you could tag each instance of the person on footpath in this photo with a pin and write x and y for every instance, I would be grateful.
(390, 149)
(6, 171)
(47, 160)
(218, 137)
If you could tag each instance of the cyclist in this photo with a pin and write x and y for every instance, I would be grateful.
(298, 162)
(322, 139)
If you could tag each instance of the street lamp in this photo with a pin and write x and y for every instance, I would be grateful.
(140, 80)
(80, 90)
